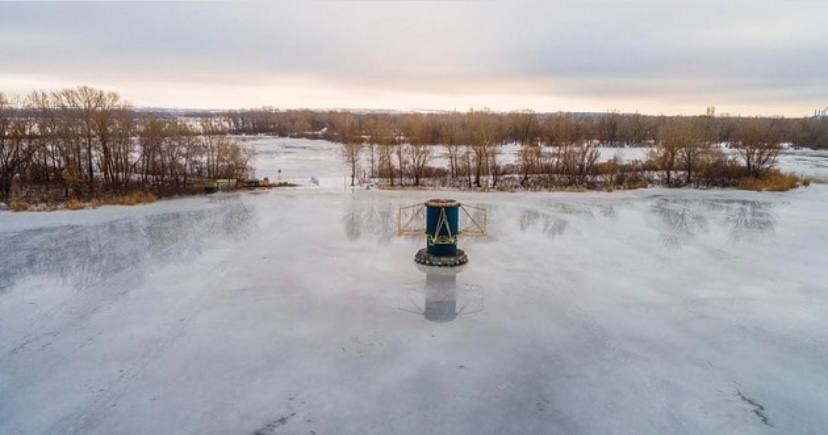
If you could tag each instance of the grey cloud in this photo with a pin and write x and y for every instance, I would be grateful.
(755, 53)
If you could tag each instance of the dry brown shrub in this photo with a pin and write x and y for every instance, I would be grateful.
(74, 204)
(773, 181)
(636, 184)
(18, 205)
(133, 198)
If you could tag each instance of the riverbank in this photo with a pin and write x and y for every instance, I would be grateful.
(775, 181)
(128, 199)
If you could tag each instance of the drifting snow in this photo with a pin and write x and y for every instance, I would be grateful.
(301, 311)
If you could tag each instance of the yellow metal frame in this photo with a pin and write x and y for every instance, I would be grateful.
(405, 229)
(473, 227)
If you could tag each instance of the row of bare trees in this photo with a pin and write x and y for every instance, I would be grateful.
(688, 146)
(611, 129)
(84, 142)
(684, 150)
(403, 154)
(563, 146)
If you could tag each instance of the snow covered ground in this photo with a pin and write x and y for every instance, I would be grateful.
(811, 163)
(298, 159)
(300, 311)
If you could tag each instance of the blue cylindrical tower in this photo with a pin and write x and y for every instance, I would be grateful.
(442, 231)
(442, 226)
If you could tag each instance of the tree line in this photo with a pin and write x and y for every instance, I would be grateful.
(84, 142)
(611, 129)
(558, 149)
(683, 151)
(553, 151)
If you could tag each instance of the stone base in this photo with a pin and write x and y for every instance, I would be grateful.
(423, 257)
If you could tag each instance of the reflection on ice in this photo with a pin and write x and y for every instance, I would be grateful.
(534, 220)
(440, 295)
(83, 255)
(750, 219)
(681, 220)
(375, 218)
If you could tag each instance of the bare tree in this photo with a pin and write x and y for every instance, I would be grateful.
(608, 125)
(466, 159)
(386, 154)
(85, 103)
(577, 161)
(561, 129)
(529, 160)
(119, 161)
(105, 125)
(758, 146)
(350, 152)
(454, 140)
(673, 137)
(10, 152)
(693, 148)
(419, 156)
(399, 151)
(482, 138)
(372, 129)
(351, 143)
(495, 168)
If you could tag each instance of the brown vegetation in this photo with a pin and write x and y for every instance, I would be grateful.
(557, 153)
(556, 150)
(74, 204)
(774, 181)
(85, 143)
(611, 129)
(133, 198)
(18, 205)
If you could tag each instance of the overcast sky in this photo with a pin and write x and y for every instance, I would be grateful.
(757, 57)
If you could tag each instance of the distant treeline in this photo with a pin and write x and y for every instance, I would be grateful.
(685, 151)
(85, 143)
(611, 129)
(556, 150)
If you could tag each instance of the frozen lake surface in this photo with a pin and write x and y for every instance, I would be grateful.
(300, 311)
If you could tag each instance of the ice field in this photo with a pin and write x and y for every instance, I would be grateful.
(300, 311)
